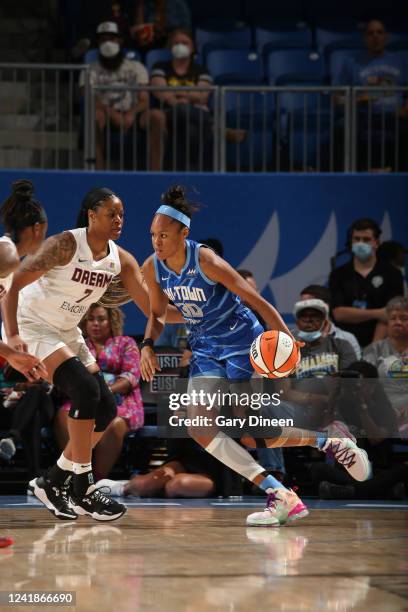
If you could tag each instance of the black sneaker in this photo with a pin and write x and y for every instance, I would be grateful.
(54, 497)
(98, 505)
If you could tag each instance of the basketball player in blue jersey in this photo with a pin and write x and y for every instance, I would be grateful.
(57, 285)
(208, 293)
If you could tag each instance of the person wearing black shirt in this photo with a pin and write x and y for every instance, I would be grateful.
(362, 287)
(185, 114)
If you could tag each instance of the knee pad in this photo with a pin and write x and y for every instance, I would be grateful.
(106, 410)
(80, 386)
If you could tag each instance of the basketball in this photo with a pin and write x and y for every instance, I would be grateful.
(273, 354)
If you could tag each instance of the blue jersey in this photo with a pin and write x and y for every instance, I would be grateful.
(220, 326)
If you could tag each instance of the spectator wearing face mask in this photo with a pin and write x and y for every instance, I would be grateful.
(120, 109)
(186, 119)
(362, 287)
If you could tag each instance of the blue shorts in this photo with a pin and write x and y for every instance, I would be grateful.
(236, 367)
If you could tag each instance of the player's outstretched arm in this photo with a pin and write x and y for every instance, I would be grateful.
(57, 250)
(218, 270)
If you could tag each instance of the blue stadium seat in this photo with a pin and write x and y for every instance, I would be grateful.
(249, 108)
(336, 59)
(326, 36)
(282, 36)
(256, 153)
(156, 55)
(259, 12)
(238, 37)
(234, 66)
(92, 55)
(302, 62)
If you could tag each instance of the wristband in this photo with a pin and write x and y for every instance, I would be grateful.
(147, 342)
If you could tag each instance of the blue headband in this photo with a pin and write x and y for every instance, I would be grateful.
(175, 214)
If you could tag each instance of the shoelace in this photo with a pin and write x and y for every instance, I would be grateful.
(271, 501)
(97, 495)
(344, 456)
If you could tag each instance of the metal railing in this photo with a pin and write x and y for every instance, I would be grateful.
(178, 137)
(46, 121)
(39, 115)
(379, 132)
(291, 128)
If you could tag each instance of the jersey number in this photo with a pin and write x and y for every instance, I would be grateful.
(87, 294)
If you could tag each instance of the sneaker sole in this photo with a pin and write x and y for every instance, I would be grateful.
(97, 517)
(272, 525)
(298, 515)
(41, 495)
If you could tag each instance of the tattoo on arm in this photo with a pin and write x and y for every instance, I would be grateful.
(56, 251)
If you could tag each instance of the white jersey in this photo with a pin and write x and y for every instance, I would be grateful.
(5, 283)
(62, 296)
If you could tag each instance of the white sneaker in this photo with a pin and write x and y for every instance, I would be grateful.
(282, 506)
(350, 456)
(338, 429)
(116, 486)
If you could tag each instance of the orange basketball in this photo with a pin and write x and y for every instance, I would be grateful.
(273, 354)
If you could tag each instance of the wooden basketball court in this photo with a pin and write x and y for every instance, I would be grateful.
(199, 555)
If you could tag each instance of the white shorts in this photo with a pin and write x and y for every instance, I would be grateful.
(43, 340)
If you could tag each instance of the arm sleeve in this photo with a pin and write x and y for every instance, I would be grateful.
(130, 366)
(395, 284)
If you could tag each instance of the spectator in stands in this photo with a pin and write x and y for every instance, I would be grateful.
(361, 288)
(390, 357)
(121, 111)
(186, 114)
(365, 405)
(189, 472)
(323, 293)
(377, 67)
(154, 19)
(118, 357)
(306, 394)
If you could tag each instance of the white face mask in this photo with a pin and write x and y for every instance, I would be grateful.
(180, 51)
(109, 48)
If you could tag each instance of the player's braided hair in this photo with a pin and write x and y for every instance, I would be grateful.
(92, 200)
(20, 210)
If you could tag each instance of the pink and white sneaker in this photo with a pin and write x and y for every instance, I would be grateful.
(338, 429)
(282, 506)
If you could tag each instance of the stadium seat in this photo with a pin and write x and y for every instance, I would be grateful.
(327, 36)
(92, 55)
(256, 153)
(281, 36)
(335, 58)
(302, 62)
(249, 108)
(234, 66)
(156, 55)
(238, 37)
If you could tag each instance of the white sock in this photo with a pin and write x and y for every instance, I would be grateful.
(65, 464)
(81, 468)
(233, 455)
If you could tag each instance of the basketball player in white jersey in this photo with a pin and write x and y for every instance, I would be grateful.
(71, 271)
(25, 223)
